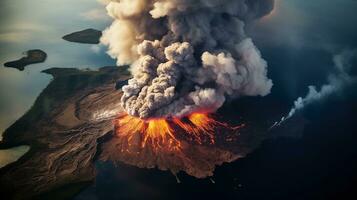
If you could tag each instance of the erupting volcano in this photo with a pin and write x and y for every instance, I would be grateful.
(185, 57)
(163, 133)
(194, 144)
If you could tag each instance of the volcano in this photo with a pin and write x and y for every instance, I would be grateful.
(72, 127)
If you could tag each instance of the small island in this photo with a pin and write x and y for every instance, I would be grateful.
(87, 36)
(31, 57)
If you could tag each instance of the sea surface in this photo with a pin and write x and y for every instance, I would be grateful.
(298, 40)
(40, 24)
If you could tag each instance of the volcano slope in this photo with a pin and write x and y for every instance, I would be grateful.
(70, 126)
(62, 129)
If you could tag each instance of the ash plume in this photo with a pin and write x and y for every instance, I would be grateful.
(343, 64)
(186, 55)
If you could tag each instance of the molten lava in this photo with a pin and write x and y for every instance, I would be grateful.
(162, 133)
(156, 132)
(199, 125)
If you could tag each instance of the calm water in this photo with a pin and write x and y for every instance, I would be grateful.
(298, 40)
(40, 24)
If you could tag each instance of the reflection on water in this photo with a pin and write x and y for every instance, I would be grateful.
(22, 29)
(11, 155)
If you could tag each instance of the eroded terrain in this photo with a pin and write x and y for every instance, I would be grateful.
(71, 126)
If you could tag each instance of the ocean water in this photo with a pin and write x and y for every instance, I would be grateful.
(40, 24)
(298, 40)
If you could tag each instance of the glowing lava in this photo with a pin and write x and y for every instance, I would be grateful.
(199, 124)
(156, 132)
(161, 133)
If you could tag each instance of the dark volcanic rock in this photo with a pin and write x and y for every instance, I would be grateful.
(62, 128)
(87, 36)
(31, 57)
(77, 110)
(197, 160)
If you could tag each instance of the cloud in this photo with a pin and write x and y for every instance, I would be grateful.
(186, 56)
(343, 64)
(95, 15)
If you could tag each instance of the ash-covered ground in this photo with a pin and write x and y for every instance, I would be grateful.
(70, 128)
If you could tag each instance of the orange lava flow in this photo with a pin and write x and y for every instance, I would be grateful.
(199, 124)
(161, 133)
(156, 132)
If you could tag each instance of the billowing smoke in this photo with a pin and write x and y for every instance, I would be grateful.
(336, 81)
(186, 55)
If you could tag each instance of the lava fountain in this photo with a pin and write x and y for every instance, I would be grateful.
(162, 133)
(185, 57)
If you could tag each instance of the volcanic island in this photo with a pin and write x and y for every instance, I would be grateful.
(87, 36)
(77, 120)
(31, 57)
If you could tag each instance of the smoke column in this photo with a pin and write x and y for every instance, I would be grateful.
(186, 55)
(343, 65)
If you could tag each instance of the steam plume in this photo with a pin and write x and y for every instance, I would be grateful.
(186, 55)
(343, 65)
